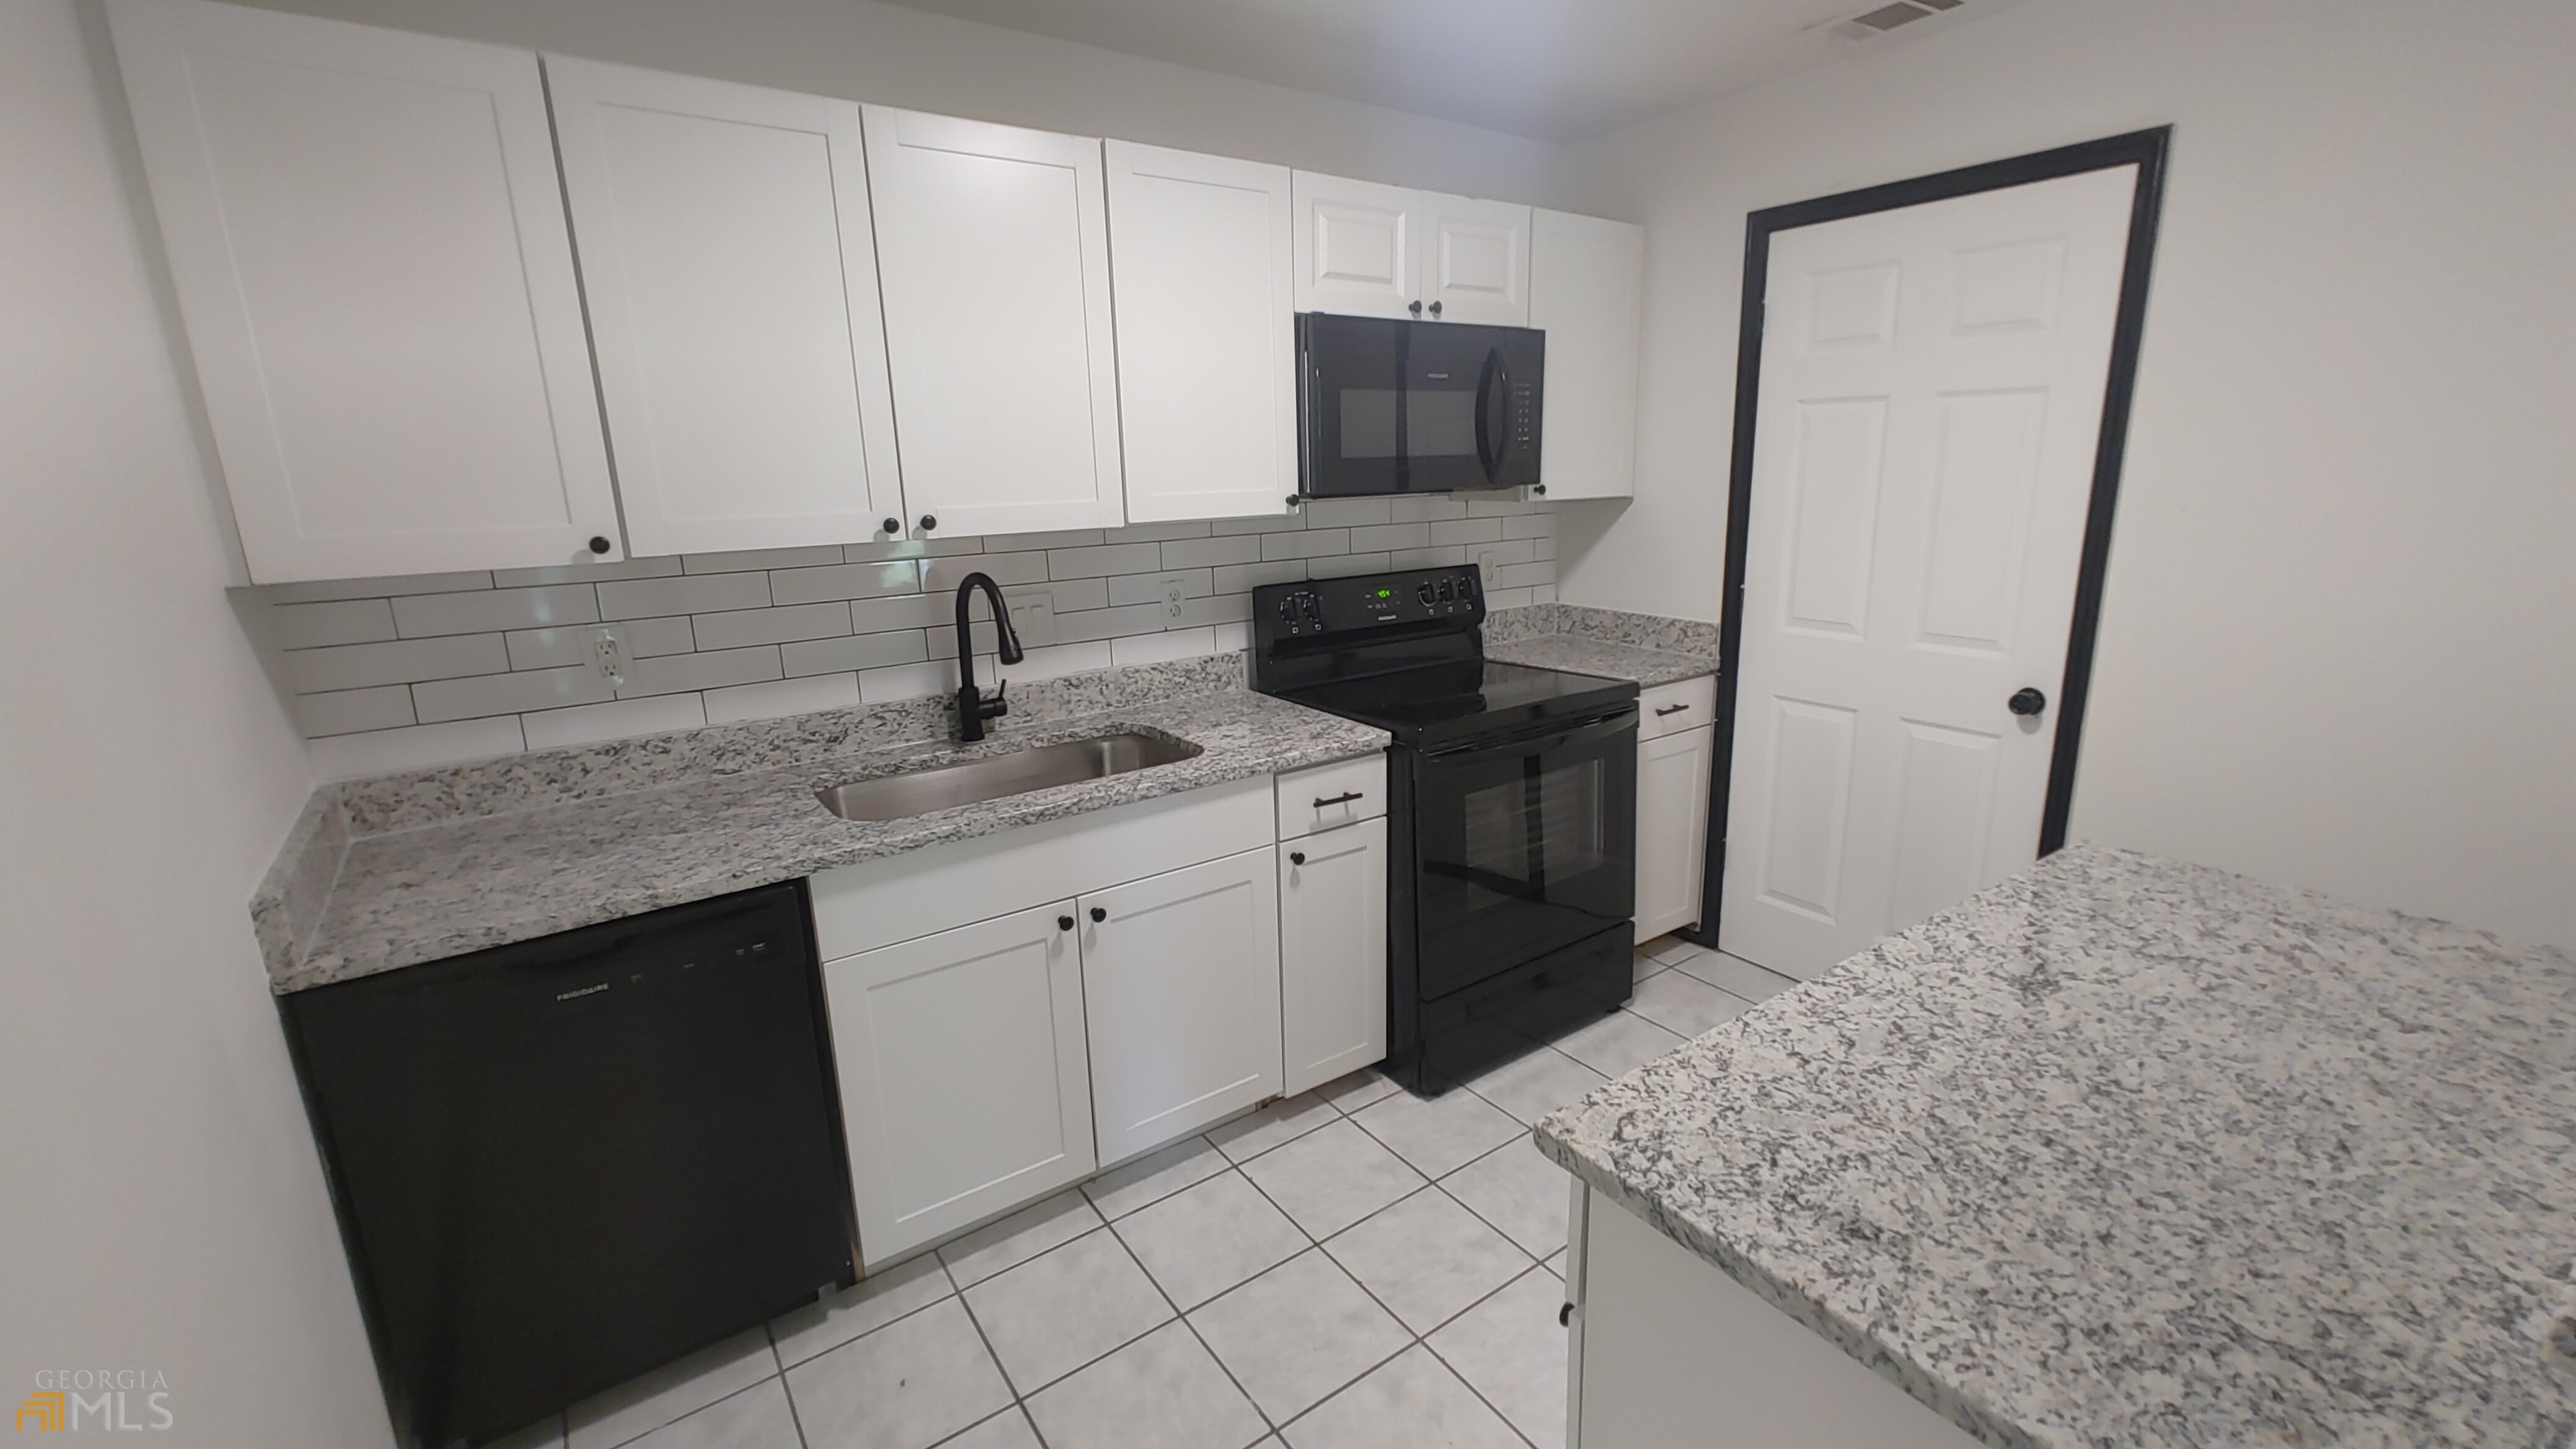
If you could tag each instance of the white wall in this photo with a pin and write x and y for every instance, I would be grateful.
(2339, 644)
(161, 1202)
(891, 56)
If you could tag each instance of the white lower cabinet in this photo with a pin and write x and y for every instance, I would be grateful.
(1332, 952)
(1180, 980)
(1672, 828)
(965, 1083)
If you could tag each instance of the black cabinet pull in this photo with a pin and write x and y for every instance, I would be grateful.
(1670, 709)
(928, 522)
(1296, 857)
(1294, 500)
(599, 543)
(894, 525)
(1565, 1315)
(1435, 309)
(1414, 307)
(1343, 798)
(1539, 488)
(1064, 923)
(1099, 913)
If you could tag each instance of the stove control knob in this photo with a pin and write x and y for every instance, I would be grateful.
(1423, 592)
(1288, 608)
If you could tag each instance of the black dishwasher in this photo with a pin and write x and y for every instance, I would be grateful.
(560, 1163)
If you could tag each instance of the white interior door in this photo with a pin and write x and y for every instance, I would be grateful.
(731, 273)
(1931, 396)
(369, 248)
(993, 246)
(1207, 342)
(1355, 247)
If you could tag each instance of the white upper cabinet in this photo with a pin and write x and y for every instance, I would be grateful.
(1355, 247)
(993, 252)
(1386, 251)
(1207, 347)
(731, 274)
(369, 250)
(1476, 261)
(1587, 284)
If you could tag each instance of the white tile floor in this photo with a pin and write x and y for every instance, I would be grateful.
(1355, 1268)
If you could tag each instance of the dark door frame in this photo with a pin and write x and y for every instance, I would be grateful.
(2144, 149)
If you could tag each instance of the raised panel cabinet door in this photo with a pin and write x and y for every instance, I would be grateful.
(965, 1088)
(1332, 952)
(1180, 982)
(731, 272)
(1672, 828)
(993, 253)
(1475, 261)
(1207, 340)
(368, 244)
(1587, 292)
(1355, 246)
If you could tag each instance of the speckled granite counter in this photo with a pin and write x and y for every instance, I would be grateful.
(2124, 1151)
(410, 868)
(1614, 645)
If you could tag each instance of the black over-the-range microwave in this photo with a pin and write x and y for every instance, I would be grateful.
(1389, 406)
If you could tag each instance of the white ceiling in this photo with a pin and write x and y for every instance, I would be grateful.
(1557, 70)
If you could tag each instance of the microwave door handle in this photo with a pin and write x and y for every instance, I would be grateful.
(1492, 382)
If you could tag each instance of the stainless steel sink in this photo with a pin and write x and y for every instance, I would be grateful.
(918, 792)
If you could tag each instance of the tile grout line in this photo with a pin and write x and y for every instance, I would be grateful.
(1269, 1427)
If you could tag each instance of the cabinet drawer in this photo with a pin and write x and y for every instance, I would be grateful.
(1683, 706)
(1331, 795)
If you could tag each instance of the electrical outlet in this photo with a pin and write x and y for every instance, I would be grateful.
(1176, 590)
(608, 654)
(1032, 618)
(1486, 568)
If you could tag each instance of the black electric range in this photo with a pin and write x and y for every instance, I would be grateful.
(1512, 804)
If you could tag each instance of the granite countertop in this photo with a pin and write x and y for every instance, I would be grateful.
(2124, 1151)
(395, 872)
(1647, 648)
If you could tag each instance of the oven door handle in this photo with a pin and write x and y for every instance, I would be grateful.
(1545, 741)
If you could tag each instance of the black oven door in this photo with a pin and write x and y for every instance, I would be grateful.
(1523, 846)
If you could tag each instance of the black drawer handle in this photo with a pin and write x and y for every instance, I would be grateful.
(1344, 798)
(1099, 913)
(1064, 923)
(1670, 709)
(1296, 857)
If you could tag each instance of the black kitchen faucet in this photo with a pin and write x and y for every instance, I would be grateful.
(972, 708)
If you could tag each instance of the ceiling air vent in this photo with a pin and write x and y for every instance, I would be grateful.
(1885, 18)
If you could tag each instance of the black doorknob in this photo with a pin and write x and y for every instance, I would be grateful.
(894, 525)
(2026, 702)
(1064, 923)
(599, 545)
(1296, 857)
(1414, 307)
(928, 522)
(1435, 309)
(1099, 913)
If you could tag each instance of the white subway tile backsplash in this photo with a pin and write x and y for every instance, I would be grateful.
(780, 698)
(348, 711)
(349, 621)
(518, 693)
(758, 560)
(491, 611)
(396, 661)
(856, 651)
(691, 594)
(493, 663)
(1183, 553)
(706, 669)
(421, 747)
(618, 719)
(771, 626)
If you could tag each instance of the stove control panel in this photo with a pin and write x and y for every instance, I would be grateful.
(1371, 601)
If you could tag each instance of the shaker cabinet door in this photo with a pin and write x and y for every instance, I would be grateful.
(1355, 246)
(1475, 263)
(993, 252)
(728, 260)
(1332, 952)
(368, 244)
(1207, 343)
(1587, 292)
(1672, 828)
(965, 1088)
(1180, 981)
